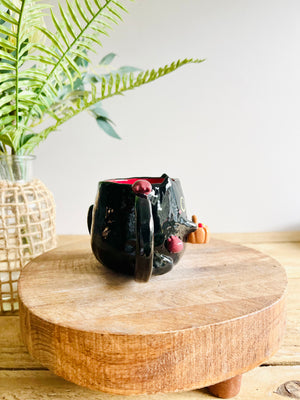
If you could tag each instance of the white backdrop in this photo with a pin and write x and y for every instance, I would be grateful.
(228, 128)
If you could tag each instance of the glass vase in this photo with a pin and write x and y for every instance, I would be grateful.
(15, 168)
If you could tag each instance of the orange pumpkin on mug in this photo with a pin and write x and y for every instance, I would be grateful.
(201, 235)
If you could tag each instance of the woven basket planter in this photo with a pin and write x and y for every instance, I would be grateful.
(27, 229)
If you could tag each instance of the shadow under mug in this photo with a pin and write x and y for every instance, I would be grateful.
(138, 226)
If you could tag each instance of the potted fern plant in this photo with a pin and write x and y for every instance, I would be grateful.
(46, 79)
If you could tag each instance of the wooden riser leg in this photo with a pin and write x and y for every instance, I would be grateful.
(226, 389)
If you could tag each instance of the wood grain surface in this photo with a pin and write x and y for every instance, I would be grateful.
(218, 313)
(23, 378)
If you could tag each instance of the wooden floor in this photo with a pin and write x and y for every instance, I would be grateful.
(21, 378)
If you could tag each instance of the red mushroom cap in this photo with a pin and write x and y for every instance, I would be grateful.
(142, 187)
(174, 244)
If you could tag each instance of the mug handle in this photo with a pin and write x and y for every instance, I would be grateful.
(144, 227)
(89, 218)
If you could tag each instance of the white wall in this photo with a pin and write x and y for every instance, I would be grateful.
(229, 128)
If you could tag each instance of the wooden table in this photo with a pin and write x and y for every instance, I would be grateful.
(23, 378)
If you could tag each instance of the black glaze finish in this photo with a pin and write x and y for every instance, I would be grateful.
(129, 231)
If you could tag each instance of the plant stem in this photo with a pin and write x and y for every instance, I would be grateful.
(17, 61)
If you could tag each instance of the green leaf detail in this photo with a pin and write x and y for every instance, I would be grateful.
(107, 59)
(104, 124)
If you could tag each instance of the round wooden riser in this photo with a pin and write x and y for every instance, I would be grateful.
(217, 314)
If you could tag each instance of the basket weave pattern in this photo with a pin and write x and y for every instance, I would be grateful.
(27, 229)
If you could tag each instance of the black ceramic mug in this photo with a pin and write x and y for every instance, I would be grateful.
(138, 226)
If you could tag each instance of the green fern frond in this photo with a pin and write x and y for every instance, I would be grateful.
(76, 41)
(14, 45)
(73, 38)
(114, 85)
